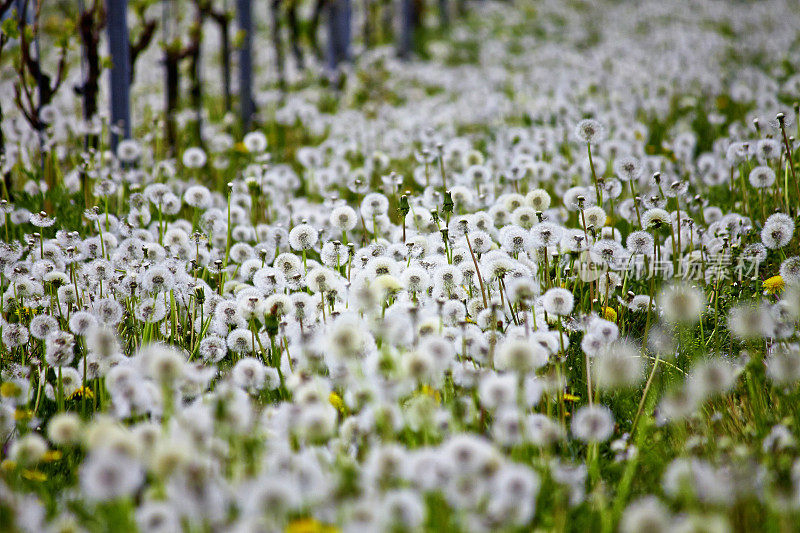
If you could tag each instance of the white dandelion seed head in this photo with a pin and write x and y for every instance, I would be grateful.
(593, 423)
(558, 301)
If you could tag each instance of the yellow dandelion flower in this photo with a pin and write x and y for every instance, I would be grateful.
(9, 389)
(309, 525)
(83, 390)
(773, 285)
(51, 455)
(34, 475)
(336, 401)
(610, 314)
(433, 393)
(22, 414)
(571, 397)
(8, 465)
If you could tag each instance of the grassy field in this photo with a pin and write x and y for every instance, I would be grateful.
(544, 277)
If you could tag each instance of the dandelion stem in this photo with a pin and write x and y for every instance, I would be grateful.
(478, 272)
(645, 392)
(594, 175)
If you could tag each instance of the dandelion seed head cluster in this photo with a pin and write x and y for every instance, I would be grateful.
(545, 275)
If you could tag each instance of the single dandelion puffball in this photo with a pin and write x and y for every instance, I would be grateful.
(617, 366)
(303, 237)
(107, 475)
(777, 231)
(783, 366)
(64, 429)
(628, 168)
(790, 270)
(681, 303)
(128, 150)
(194, 157)
(761, 177)
(520, 355)
(343, 218)
(255, 142)
(558, 301)
(645, 514)
(590, 131)
(713, 376)
(593, 423)
(28, 449)
(249, 373)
